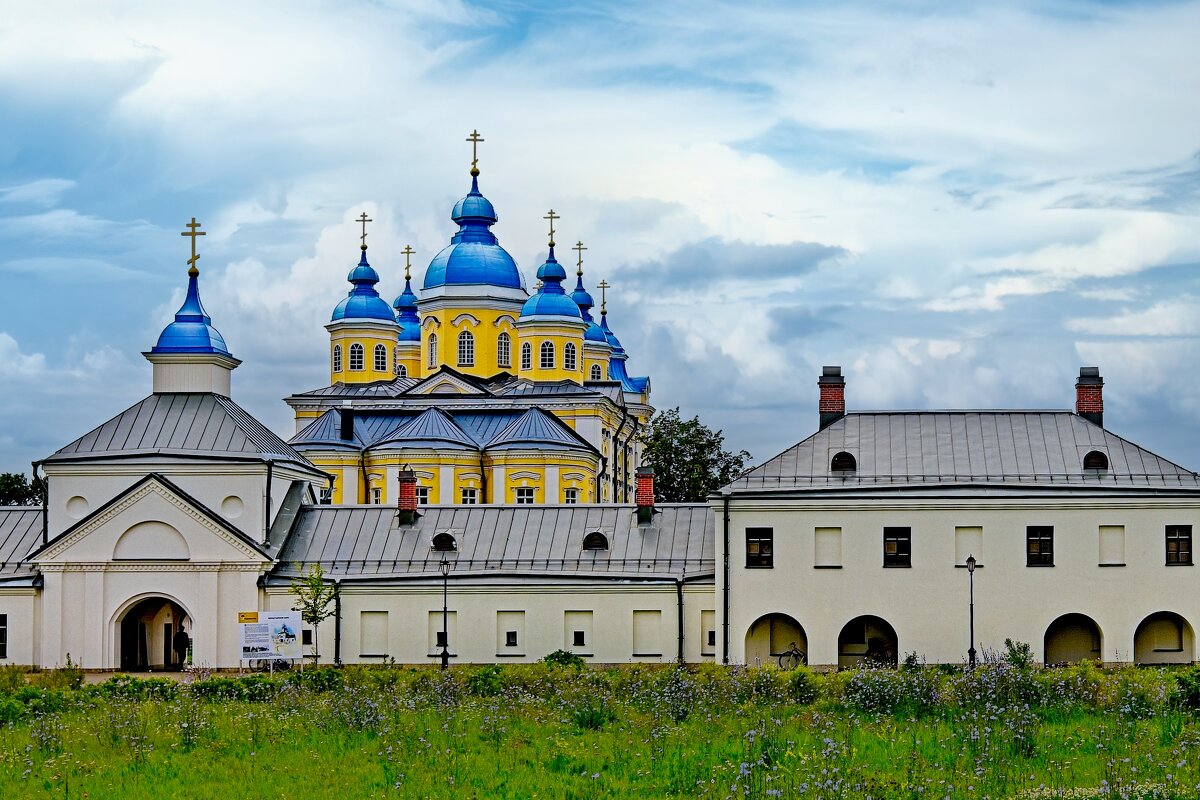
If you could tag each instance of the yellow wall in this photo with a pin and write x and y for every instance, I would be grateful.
(484, 324)
(408, 355)
(369, 338)
(535, 333)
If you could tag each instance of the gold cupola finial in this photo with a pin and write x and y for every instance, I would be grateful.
(408, 251)
(579, 248)
(475, 139)
(364, 219)
(552, 216)
(193, 232)
(603, 286)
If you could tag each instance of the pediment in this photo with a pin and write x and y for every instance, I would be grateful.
(151, 522)
(447, 383)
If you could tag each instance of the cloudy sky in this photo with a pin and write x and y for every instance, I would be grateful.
(959, 205)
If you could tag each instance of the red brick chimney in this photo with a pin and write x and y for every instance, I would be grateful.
(406, 497)
(643, 494)
(1089, 395)
(832, 405)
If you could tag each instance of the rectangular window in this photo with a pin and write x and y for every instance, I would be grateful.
(441, 639)
(510, 638)
(422, 495)
(578, 630)
(827, 548)
(1039, 546)
(510, 633)
(3, 635)
(470, 497)
(376, 496)
(968, 541)
(306, 637)
(435, 630)
(326, 496)
(570, 496)
(647, 633)
(760, 547)
(1112, 545)
(373, 633)
(897, 547)
(525, 495)
(578, 638)
(1179, 545)
(708, 629)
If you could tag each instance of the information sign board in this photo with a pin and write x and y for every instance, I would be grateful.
(269, 634)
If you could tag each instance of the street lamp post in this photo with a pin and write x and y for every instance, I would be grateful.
(444, 568)
(971, 583)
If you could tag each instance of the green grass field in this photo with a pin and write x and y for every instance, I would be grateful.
(561, 732)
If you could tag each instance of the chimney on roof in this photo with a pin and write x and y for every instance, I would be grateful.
(346, 430)
(832, 404)
(1089, 395)
(406, 497)
(644, 494)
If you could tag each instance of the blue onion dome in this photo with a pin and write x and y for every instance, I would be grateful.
(363, 302)
(192, 330)
(609, 336)
(406, 314)
(582, 298)
(551, 299)
(474, 256)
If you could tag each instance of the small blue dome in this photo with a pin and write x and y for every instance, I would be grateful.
(474, 256)
(406, 314)
(551, 300)
(595, 333)
(192, 330)
(609, 336)
(363, 302)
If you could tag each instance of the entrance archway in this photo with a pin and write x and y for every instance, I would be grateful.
(867, 639)
(1164, 638)
(771, 635)
(1073, 638)
(147, 632)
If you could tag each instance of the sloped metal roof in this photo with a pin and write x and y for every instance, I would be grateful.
(365, 541)
(392, 388)
(431, 426)
(1017, 448)
(538, 428)
(172, 424)
(20, 533)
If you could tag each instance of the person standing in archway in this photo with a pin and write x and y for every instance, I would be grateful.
(181, 642)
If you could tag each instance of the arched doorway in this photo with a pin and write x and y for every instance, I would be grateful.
(867, 639)
(1164, 638)
(147, 635)
(1073, 638)
(771, 635)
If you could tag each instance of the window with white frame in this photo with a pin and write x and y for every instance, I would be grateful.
(469, 496)
(504, 350)
(596, 374)
(570, 496)
(524, 495)
(422, 495)
(381, 359)
(569, 361)
(356, 357)
(546, 355)
(526, 356)
(326, 496)
(466, 349)
(337, 358)
(376, 496)
(432, 350)
(401, 371)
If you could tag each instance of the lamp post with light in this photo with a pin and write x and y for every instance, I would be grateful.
(444, 568)
(971, 583)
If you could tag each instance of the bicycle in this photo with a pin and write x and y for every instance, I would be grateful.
(270, 664)
(792, 657)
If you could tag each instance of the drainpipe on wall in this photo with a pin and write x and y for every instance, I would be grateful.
(267, 509)
(337, 623)
(679, 603)
(725, 584)
(616, 456)
(45, 502)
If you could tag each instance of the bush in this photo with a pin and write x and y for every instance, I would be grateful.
(1018, 654)
(125, 687)
(12, 678)
(562, 658)
(69, 676)
(252, 688)
(592, 716)
(318, 679)
(485, 682)
(801, 686)
(1186, 693)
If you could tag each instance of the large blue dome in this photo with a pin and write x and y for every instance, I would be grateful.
(192, 330)
(363, 302)
(551, 300)
(474, 256)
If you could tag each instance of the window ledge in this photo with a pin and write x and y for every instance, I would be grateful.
(897, 566)
(372, 655)
(646, 655)
(760, 566)
(439, 655)
(827, 566)
(510, 655)
(1179, 564)
(1167, 650)
(1039, 566)
(1110, 565)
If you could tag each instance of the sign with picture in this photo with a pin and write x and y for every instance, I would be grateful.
(269, 634)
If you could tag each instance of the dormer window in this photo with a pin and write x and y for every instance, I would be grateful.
(843, 462)
(1095, 460)
(595, 541)
(444, 543)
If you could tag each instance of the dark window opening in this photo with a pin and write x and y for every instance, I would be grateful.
(442, 641)
(595, 541)
(444, 543)
(760, 547)
(306, 637)
(897, 547)
(510, 638)
(1095, 460)
(843, 462)
(3, 635)
(578, 639)
(1039, 546)
(1179, 545)
(712, 638)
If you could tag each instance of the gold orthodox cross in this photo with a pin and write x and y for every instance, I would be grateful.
(579, 248)
(407, 251)
(364, 219)
(474, 139)
(193, 233)
(552, 216)
(603, 286)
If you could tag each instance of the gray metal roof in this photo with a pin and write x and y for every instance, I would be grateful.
(20, 533)
(1017, 448)
(365, 542)
(182, 424)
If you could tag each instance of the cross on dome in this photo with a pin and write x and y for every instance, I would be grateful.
(193, 231)
(552, 216)
(579, 248)
(603, 286)
(364, 219)
(408, 253)
(475, 139)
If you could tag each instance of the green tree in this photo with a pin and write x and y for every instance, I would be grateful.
(314, 600)
(689, 459)
(17, 490)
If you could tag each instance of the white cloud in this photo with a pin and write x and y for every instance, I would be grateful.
(1178, 317)
(45, 192)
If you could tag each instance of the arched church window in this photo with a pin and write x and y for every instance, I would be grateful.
(337, 358)
(380, 358)
(546, 355)
(569, 362)
(466, 349)
(432, 350)
(596, 375)
(595, 541)
(504, 350)
(356, 356)
(843, 462)
(401, 371)
(444, 543)
(1095, 460)
(526, 356)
